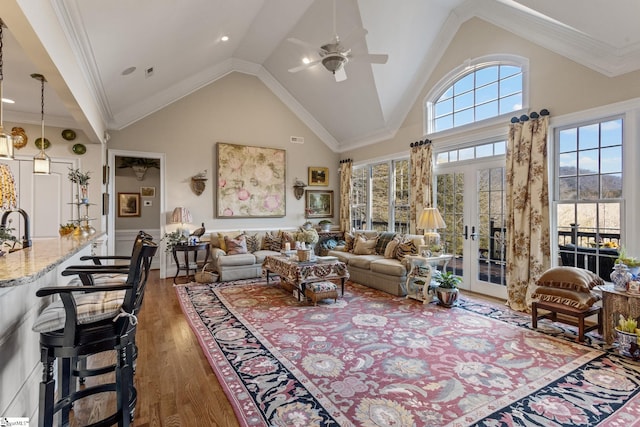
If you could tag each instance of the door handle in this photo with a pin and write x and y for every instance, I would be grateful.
(466, 232)
(473, 233)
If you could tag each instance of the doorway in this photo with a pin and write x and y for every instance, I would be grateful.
(472, 199)
(136, 200)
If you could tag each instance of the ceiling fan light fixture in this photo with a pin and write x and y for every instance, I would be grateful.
(333, 62)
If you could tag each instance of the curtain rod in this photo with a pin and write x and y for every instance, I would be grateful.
(534, 115)
(419, 143)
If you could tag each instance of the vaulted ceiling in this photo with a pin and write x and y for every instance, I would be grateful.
(83, 47)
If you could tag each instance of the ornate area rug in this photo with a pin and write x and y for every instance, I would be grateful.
(372, 359)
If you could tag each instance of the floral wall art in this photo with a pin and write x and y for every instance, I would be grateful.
(251, 181)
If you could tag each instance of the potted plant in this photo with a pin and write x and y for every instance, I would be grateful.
(627, 336)
(174, 238)
(447, 287)
(436, 250)
(325, 224)
(309, 237)
(307, 225)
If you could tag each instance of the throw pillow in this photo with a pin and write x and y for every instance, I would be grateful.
(221, 236)
(271, 242)
(572, 278)
(383, 240)
(253, 242)
(235, 246)
(349, 240)
(390, 250)
(579, 300)
(364, 246)
(287, 236)
(406, 247)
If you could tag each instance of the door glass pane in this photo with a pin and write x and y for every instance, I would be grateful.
(491, 226)
(450, 195)
(401, 199)
(359, 178)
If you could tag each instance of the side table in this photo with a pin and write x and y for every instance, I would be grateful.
(419, 276)
(186, 250)
(615, 303)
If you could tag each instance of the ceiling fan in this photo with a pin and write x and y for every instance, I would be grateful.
(335, 54)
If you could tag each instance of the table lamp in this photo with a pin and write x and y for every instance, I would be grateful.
(430, 220)
(181, 216)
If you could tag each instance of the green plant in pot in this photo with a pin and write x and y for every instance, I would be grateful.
(447, 289)
(325, 224)
(436, 250)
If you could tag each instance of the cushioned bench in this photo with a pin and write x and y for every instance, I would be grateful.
(555, 308)
(321, 290)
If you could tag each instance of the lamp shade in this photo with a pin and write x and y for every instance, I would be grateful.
(430, 219)
(181, 215)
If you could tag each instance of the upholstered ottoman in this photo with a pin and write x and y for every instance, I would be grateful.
(321, 290)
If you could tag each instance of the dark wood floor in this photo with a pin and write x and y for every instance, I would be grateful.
(176, 386)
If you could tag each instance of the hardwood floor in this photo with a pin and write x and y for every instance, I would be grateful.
(176, 386)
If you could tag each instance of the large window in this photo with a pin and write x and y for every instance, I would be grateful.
(589, 194)
(380, 196)
(476, 91)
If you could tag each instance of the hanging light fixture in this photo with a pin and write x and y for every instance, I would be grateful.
(41, 162)
(6, 140)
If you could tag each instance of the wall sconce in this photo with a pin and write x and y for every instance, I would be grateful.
(198, 182)
(298, 189)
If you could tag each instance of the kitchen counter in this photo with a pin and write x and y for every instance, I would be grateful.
(22, 273)
(26, 265)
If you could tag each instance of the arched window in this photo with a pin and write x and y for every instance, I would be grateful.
(475, 92)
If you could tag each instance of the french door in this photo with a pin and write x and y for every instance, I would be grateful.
(471, 198)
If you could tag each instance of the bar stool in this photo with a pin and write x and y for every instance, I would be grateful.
(89, 320)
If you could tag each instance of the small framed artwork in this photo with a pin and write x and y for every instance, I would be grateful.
(318, 203)
(148, 191)
(128, 204)
(318, 176)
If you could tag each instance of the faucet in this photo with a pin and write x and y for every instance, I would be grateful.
(26, 239)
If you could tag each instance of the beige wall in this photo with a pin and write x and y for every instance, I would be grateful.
(236, 109)
(556, 83)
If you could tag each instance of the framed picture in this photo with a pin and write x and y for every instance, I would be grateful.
(128, 204)
(148, 191)
(318, 176)
(318, 203)
(251, 181)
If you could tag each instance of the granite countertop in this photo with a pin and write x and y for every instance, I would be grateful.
(26, 265)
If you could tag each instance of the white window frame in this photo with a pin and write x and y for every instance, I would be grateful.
(463, 70)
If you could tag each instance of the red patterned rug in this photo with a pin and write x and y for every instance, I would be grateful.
(372, 359)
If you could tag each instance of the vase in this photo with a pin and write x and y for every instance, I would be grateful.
(325, 227)
(625, 339)
(620, 276)
(447, 296)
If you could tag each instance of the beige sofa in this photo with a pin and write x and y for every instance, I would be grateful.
(388, 274)
(245, 265)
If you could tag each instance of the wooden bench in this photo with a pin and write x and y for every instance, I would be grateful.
(555, 308)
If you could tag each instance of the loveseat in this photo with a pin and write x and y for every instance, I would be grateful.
(236, 262)
(377, 260)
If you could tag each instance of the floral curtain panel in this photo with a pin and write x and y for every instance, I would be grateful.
(421, 187)
(528, 234)
(345, 194)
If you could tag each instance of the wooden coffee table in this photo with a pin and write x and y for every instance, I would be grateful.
(301, 273)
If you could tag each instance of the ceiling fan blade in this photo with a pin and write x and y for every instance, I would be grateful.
(374, 58)
(304, 66)
(303, 44)
(354, 38)
(340, 74)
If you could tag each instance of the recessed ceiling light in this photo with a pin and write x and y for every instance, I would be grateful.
(8, 101)
(224, 38)
(305, 60)
(128, 71)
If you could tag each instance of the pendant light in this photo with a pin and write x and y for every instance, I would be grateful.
(41, 162)
(6, 140)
